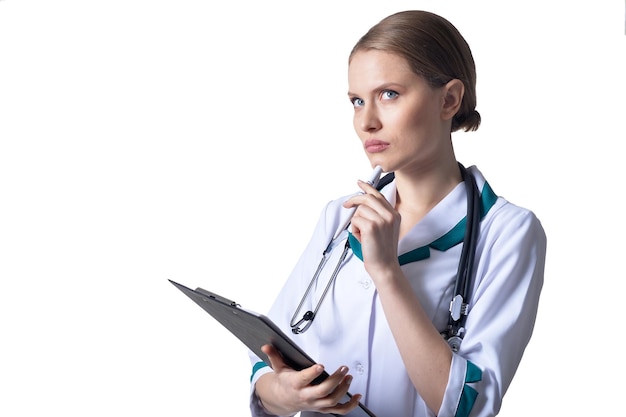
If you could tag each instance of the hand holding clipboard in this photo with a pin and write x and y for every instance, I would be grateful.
(255, 331)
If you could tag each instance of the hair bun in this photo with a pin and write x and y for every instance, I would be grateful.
(467, 122)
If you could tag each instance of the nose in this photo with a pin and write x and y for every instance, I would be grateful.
(368, 120)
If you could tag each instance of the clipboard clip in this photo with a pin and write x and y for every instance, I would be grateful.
(217, 297)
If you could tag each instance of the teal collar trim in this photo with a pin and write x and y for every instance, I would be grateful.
(449, 240)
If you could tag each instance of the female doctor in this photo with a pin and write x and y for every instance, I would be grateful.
(377, 325)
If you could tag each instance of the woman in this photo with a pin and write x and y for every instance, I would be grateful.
(378, 331)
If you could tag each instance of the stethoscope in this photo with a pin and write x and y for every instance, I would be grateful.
(458, 306)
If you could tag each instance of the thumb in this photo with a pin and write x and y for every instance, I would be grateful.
(276, 360)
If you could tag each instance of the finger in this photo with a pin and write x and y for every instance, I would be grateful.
(305, 377)
(335, 386)
(366, 186)
(276, 360)
(377, 202)
(343, 408)
(310, 374)
(366, 189)
(271, 352)
(373, 216)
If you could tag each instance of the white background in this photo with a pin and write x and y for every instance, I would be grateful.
(142, 141)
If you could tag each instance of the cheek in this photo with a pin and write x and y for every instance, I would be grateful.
(414, 119)
(405, 121)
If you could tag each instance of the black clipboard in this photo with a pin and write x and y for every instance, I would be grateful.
(256, 330)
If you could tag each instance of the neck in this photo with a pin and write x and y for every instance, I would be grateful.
(419, 192)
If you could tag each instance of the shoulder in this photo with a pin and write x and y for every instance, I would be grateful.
(508, 216)
(506, 220)
(514, 235)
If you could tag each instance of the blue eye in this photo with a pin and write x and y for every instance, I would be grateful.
(357, 102)
(389, 94)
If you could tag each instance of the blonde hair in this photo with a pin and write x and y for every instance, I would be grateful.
(434, 49)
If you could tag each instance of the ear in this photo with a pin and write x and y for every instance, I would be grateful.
(452, 97)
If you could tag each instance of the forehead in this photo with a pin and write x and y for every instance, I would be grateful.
(372, 67)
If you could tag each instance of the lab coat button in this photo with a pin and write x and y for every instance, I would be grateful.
(366, 283)
(359, 368)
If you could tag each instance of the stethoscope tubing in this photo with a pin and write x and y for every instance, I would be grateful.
(455, 330)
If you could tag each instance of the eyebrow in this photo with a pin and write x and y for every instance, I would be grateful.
(382, 87)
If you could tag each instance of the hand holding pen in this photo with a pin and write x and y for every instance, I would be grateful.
(376, 225)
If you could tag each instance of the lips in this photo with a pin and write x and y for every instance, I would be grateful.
(375, 145)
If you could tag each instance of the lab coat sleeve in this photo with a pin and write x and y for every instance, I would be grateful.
(256, 408)
(502, 313)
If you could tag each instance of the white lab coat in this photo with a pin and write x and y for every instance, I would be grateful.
(350, 327)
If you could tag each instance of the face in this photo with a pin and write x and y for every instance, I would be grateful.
(397, 115)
